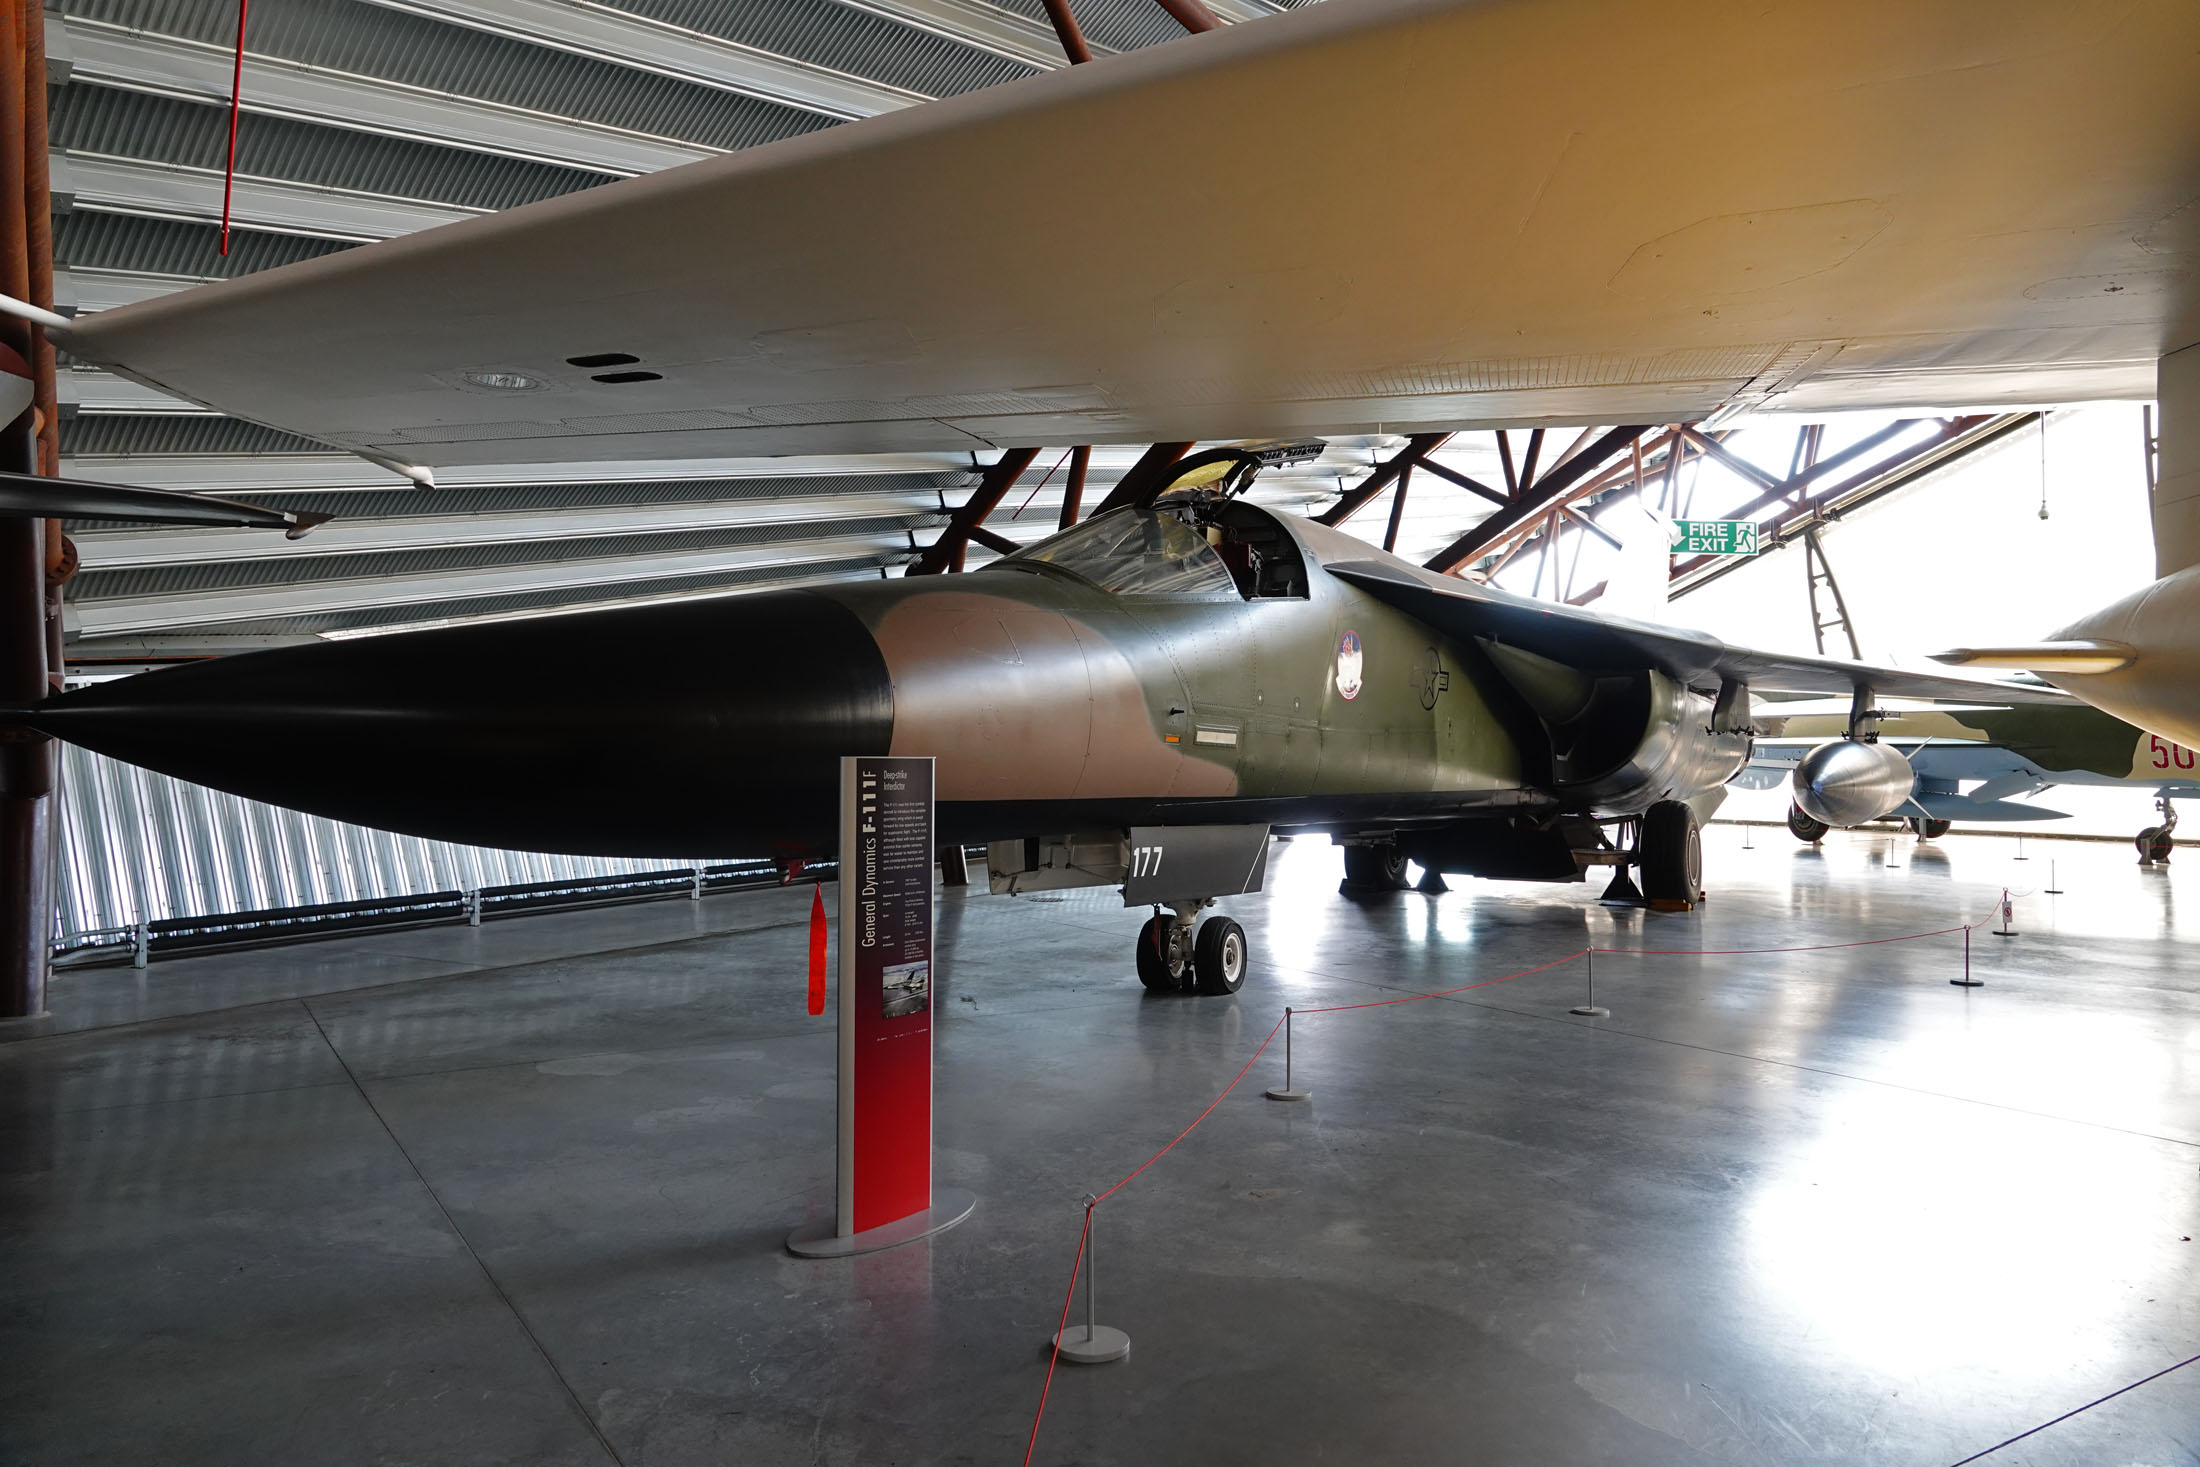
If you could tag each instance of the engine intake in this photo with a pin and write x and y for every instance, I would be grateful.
(1847, 782)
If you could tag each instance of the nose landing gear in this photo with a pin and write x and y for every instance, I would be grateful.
(1173, 958)
(2157, 841)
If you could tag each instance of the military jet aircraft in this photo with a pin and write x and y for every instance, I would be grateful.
(2001, 752)
(1140, 700)
(1878, 204)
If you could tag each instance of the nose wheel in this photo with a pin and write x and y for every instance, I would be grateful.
(1176, 957)
(1804, 827)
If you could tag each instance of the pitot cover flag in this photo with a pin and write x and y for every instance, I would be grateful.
(817, 950)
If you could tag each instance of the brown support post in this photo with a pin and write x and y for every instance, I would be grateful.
(1527, 465)
(1362, 494)
(1192, 15)
(1073, 493)
(1471, 485)
(946, 553)
(27, 760)
(1397, 509)
(1065, 29)
(1536, 499)
(1505, 457)
(1143, 484)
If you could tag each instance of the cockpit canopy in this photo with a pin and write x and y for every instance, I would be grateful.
(1193, 545)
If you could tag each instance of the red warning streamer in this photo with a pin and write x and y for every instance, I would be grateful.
(817, 950)
(236, 94)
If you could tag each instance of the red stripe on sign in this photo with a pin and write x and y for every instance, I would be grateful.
(817, 950)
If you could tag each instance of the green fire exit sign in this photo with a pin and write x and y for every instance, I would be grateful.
(1715, 537)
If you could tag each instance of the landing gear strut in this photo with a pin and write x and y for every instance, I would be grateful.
(1173, 958)
(2156, 841)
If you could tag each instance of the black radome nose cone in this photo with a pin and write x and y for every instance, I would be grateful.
(702, 729)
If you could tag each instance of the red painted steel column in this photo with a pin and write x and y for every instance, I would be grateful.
(27, 761)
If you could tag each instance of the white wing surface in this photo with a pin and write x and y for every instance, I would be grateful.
(1364, 215)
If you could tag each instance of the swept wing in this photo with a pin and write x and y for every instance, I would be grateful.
(1609, 211)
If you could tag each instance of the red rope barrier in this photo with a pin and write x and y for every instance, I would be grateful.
(1210, 1110)
(1382, 1003)
(1055, 1355)
(1737, 952)
(1084, 1236)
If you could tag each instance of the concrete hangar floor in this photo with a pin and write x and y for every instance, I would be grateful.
(432, 1196)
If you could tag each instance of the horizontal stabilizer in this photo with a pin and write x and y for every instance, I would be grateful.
(1957, 807)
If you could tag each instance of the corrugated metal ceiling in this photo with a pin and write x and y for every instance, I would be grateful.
(575, 81)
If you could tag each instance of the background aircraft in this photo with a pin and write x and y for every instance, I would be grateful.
(2002, 753)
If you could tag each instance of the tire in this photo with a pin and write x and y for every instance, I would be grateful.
(1671, 853)
(1219, 956)
(1935, 829)
(1375, 868)
(1154, 969)
(1804, 828)
(2155, 844)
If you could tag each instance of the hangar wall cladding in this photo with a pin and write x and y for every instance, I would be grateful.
(139, 847)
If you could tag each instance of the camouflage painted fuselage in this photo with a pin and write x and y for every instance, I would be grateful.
(1052, 704)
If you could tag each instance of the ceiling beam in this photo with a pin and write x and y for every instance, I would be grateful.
(1361, 494)
(1536, 495)
(165, 191)
(976, 23)
(168, 66)
(603, 34)
(946, 553)
(214, 606)
(105, 550)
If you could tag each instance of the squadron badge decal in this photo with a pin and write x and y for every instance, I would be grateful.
(1348, 665)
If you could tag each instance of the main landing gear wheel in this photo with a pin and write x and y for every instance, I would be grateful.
(1219, 956)
(2157, 841)
(1804, 828)
(1380, 867)
(1927, 829)
(1162, 963)
(1671, 856)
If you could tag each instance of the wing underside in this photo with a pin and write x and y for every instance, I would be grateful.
(1136, 250)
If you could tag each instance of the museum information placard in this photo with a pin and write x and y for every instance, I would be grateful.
(886, 852)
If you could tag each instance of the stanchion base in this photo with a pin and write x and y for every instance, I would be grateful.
(2005, 932)
(1968, 982)
(1278, 1092)
(950, 1205)
(2051, 891)
(1590, 1011)
(1100, 1346)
